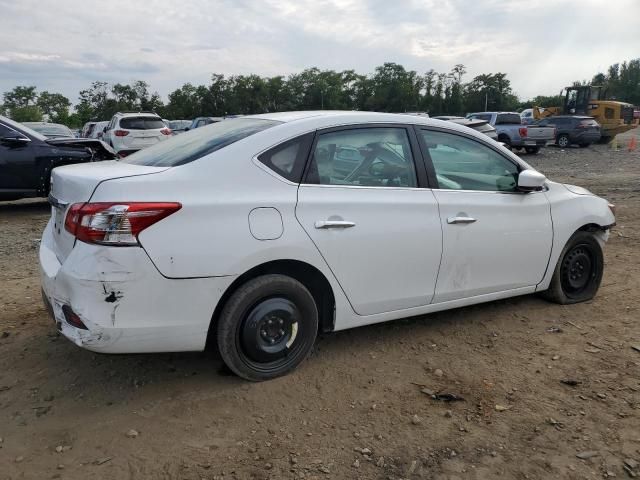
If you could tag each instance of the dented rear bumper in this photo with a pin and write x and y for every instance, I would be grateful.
(126, 305)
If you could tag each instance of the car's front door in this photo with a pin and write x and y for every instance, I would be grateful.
(365, 205)
(16, 161)
(495, 238)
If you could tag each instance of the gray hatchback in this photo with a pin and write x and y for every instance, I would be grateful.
(573, 129)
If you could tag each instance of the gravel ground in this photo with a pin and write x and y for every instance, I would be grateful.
(357, 408)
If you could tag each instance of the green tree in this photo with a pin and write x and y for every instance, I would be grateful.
(55, 106)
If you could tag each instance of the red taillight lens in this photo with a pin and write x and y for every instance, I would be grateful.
(165, 131)
(116, 224)
(121, 133)
(523, 131)
(72, 317)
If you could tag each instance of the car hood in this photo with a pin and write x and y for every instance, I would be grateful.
(99, 149)
(577, 190)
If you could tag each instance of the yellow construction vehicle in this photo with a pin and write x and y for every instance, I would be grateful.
(614, 117)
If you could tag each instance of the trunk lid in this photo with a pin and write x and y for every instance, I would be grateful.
(540, 133)
(76, 184)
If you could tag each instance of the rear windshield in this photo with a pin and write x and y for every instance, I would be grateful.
(141, 123)
(508, 119)
(589, 123)
(195, 144)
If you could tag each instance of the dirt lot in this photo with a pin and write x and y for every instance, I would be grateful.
(355, 409)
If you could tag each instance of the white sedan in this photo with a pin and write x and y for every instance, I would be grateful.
(259, 232)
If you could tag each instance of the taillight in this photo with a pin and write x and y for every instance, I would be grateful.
(116, 224)
(165, 131)
(121, 133)
(523, 131)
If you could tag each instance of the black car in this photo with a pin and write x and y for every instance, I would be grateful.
(573, 129)
(27, 158)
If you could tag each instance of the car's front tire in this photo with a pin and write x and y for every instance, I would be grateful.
(532, 150)
(267, 327)
(578, 274)
(563, 141)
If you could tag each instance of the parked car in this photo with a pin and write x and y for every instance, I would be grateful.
(50, 130)
(202, 121)
(27, 158)
(179, 126)
(526, 116)
(98, 130)
(573, 129)
(481, 126)
(128, 132)
(513, 134)
(245, 232)
(87, 129)
(448, 117)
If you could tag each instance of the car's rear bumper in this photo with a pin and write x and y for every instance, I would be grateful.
(126, 305)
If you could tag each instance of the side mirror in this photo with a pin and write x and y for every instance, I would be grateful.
(530, 181)
(14, 141)
(187, 129)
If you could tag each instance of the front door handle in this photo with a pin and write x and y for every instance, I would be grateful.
(320, 224)
(460, 220)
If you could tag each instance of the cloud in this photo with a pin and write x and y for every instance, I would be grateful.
(541, 45)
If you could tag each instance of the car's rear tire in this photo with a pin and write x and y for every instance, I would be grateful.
(532, 150)
(267, 327)
(563, 140)
(506, 140)
(578, 274)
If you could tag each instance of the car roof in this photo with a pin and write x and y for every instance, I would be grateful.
(138, 114)
(568, 116)
(346, 117)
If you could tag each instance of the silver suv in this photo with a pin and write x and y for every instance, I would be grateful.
(129, 132)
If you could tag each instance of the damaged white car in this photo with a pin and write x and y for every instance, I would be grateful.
(260, 232)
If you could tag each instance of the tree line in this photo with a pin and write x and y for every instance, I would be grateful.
(390, 88)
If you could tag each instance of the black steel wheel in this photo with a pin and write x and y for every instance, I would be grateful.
(578, 274)
(267, 327)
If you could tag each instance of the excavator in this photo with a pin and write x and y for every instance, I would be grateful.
(613, 116)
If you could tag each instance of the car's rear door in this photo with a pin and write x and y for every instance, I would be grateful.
(495, 238)
(17, 162)
(365, 204)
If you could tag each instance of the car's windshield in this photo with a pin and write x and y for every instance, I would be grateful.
(190, 146)
(141, 123)
(52, 129)
(179, 124)
(23, 128)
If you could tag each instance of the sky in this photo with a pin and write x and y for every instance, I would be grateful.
(542, 45)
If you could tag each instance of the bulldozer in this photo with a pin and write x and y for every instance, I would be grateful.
(613, 116)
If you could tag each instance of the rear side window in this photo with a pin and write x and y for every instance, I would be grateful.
(197, 143)
(288, 159)
(588, 123)
(141, 123)
(508, 119)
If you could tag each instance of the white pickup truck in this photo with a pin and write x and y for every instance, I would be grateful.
(514, 134)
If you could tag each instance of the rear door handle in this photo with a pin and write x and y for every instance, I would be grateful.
(320, 224)
(460, 220)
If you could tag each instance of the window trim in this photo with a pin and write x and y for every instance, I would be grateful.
(416, 154)
(21, 134)
(432, 171)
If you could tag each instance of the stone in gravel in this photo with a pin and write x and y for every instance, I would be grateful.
(587, 454)
(59, 449)
(448, 414)
(602, 395)
(570, 381)
(416, 420)
(60, 467)
(380, 462)
(438, 373)
(100, 461)
(132, 433)
(324, 469)
(555, 357)
(49, 398)
(427, 391)
(19, 459)
(502, 408)
(356, 464)
(412, 468)
(268, 466)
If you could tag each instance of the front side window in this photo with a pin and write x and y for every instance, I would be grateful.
(370, 157)
(464, 164)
